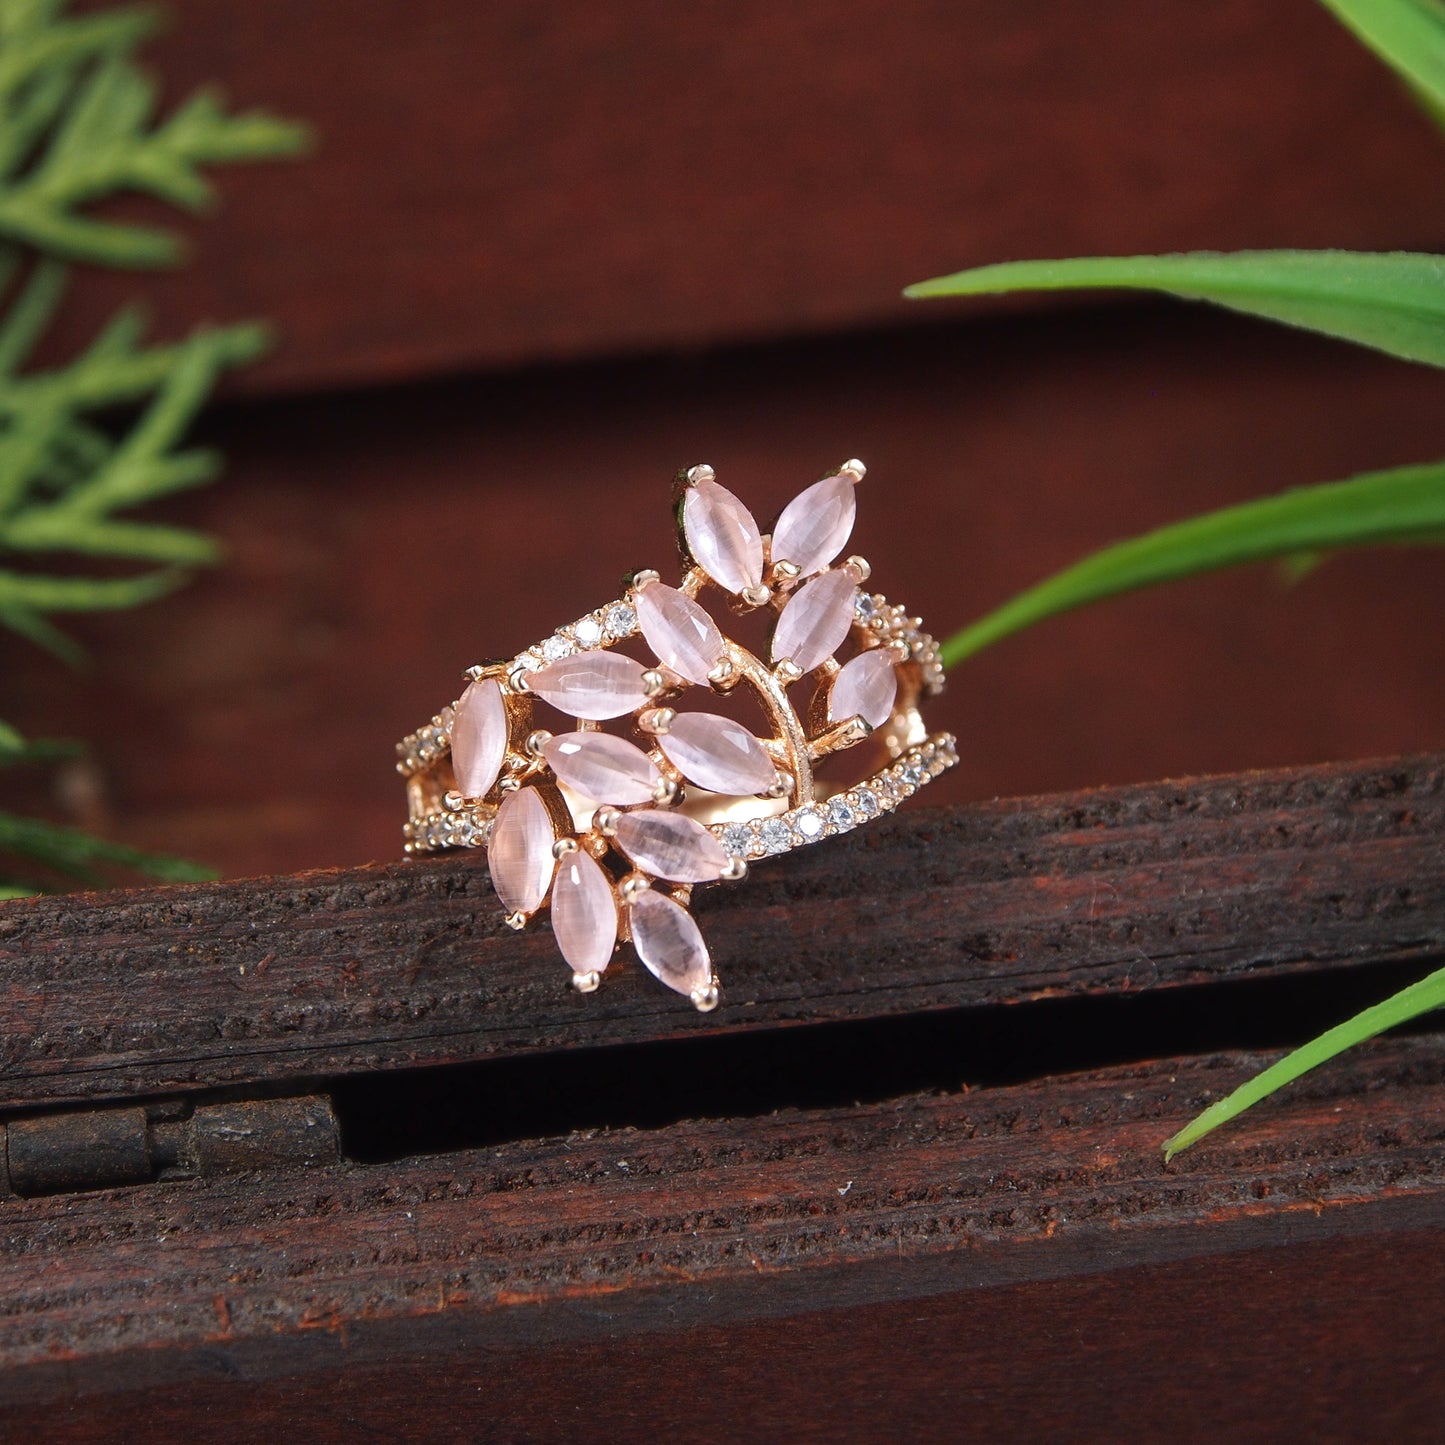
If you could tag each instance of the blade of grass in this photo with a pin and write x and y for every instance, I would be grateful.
(72, 852)
(1393, 301)
(1408, 35)
(1399, 1008)
(1402, 506)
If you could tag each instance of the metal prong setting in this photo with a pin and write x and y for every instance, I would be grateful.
(562, 847)
(632, 885)
(854, 468)
(654, 684)
(586, 982)
(517, 921)
(604, 820)
(657, 720)
(859, 567)
(704, 999)
(757, 596)
(734, 870)
(700, 473)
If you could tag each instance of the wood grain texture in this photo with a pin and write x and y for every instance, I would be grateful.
(1120, 890)
(506, 183)
(796, 1252)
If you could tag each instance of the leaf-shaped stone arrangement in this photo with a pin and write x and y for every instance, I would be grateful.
(519, 853)
(815, 620)
(604, 768)
(670, 944)
(718, 754)
(584, 916)
(479, 737)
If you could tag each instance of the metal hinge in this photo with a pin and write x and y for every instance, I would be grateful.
(170, 1139)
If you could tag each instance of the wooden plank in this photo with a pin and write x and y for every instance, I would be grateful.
(1114, 891)
(599, 1260)
(501, 184)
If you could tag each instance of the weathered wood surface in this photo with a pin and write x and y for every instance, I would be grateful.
(505, 183)
(788, 1270)
(1116, 891)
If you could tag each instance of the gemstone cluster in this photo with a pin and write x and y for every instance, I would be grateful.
(609, 831)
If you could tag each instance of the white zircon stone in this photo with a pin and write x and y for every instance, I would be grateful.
(670, 845)
(865, 687)
(593, 685)
(816, 620)
(682, 635)
(815, 525)
(479, 738)
(602, 767)
(669, 942)
(718, 754)
(519, 852)
(722, 537)
(584, 913)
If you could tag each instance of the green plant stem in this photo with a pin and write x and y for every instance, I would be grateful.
(1399, 1008)
(1398, 507)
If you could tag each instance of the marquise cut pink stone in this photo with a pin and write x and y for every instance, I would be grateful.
(682, 635)
(669, 942)
(722, 536)
(816, 619)
(718, 754)
(479, 738)
(865, 687)
(584, 913)
(671, 845)
(519, 851)
(593, 685)
(816, 524)
(602, 767)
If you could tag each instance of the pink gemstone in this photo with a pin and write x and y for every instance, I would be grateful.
(866, 688)
(602, 767)
(815, 525)
(670, 845)
(479, 738)
(593, 685)
(816, 619)
(722, 536)
(669, 942)
(519, 851)
(584, 913)
(682, 635)
(718, 754)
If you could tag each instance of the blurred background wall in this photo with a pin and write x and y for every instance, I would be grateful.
(547, 254)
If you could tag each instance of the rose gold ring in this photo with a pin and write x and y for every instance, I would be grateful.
(718, 767)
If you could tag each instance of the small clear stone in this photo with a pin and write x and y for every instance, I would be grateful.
(867, 802)
(584, 913)
(682, 635)
(588, 632)
(866, 687)
(809, 823)
(915, 773)
(593, 685)
(479, 738)
(815, 621)
(777, 836)
(815, 525)
(722, 536)
(840, 813)
(669, 942)
(717, 753)
(737, 838)
(555, 648)
(602, 767)
(671, 845)
(620, 619)
(865, 608)
(519, 852)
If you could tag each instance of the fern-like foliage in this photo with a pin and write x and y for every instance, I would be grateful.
(83, 445)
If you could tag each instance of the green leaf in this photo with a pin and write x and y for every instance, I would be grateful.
(1399, 1008)
(1402, 506)
(69, 851)
(1408, 35)
(1392, 301)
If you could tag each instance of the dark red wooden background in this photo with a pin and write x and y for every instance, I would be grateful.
(545, 255)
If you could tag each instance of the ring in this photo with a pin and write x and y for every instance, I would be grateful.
(611, 833)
